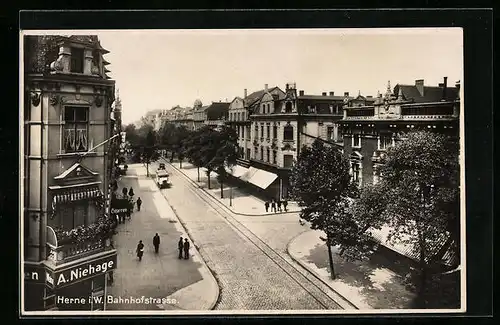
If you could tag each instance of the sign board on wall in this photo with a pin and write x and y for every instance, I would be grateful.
(60, 278)
(120, 206)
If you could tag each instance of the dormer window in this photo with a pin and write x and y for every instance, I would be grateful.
(77, 58)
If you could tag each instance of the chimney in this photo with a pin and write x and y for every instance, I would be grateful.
(324, 94)
(346, 94)
(445, 85)
(301, 93)
(266, 87)
(332, 93)
(420, 86)
(245, 93)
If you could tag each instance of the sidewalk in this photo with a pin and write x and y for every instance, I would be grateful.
(242, 203)
(367, 284)
(185, 284)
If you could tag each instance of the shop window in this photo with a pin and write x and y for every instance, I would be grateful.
(329, 133)
(288, 107)
(49, 298)
(288, 133)
(287, 161)
(275, 153)
(356, 141)
(77, 59)
(75, 128)
(385, 141)
(74, 215)
(356, 172)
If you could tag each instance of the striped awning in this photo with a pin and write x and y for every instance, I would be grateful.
(77, 194)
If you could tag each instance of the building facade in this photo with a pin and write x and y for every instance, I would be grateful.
(67, 114)
(199, 114)
(370, 127)
(280, 123)
(216, 114)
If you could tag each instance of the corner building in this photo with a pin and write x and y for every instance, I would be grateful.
(67, 112)
(370, 127)
(280, 124)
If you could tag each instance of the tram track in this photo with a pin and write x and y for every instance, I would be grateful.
(316, 288)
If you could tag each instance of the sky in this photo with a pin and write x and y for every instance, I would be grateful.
(159, 69)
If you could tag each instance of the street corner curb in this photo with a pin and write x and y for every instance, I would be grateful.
(315, 274)
(213, 280)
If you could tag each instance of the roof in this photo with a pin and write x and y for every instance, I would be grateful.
(217, 110)
(431, 94)
(319, 97)
(256, 95)
(41, 50)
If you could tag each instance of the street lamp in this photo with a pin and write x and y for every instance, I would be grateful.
(231, 190)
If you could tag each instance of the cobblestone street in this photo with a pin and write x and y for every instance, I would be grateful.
(249, 279)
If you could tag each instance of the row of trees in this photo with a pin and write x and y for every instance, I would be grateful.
(216, 150)
(417, 196)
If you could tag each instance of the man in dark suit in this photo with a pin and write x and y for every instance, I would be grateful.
(186, 249)
(156, 242)
(180, 246)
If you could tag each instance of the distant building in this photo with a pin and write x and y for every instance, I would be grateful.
(217, 114)
(370, 127)
(199, 114)
(67, 112)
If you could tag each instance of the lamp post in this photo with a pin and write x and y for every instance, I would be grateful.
(231, 190)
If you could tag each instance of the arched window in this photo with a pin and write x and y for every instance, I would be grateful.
(288, 107)
(288, 133)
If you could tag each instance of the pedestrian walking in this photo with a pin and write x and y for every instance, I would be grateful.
(266, 205)
(180, 246)
(273, 206)
(131, 192)
(279, 205)
(285, 205)
(139, 202)
(140, 250)
(186, 249)
(156, 242)
(110, 278)
(124, 192)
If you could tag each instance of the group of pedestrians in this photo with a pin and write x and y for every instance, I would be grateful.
(183, 246)
(276, 205)
(129, 195)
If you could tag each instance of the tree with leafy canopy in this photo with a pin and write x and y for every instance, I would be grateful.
(322, 186)
(208, 146)
(420, 199)
(148, 145)
(226, 154)
(180, 138)
(193, 151)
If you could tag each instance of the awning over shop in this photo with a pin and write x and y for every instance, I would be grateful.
(248, 174)
(237, 171)
(262, 178)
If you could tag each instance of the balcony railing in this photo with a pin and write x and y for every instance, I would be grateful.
(70, 252)
(429, 111)
(361, 112)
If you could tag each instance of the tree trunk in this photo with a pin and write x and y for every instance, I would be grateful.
(330, 258)
(421, 300)
(180, 163)
(198, 174)
(208, 175)
(147, 168)
(221, 190)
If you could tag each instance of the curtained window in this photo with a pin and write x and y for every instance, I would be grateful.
(75, 128)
